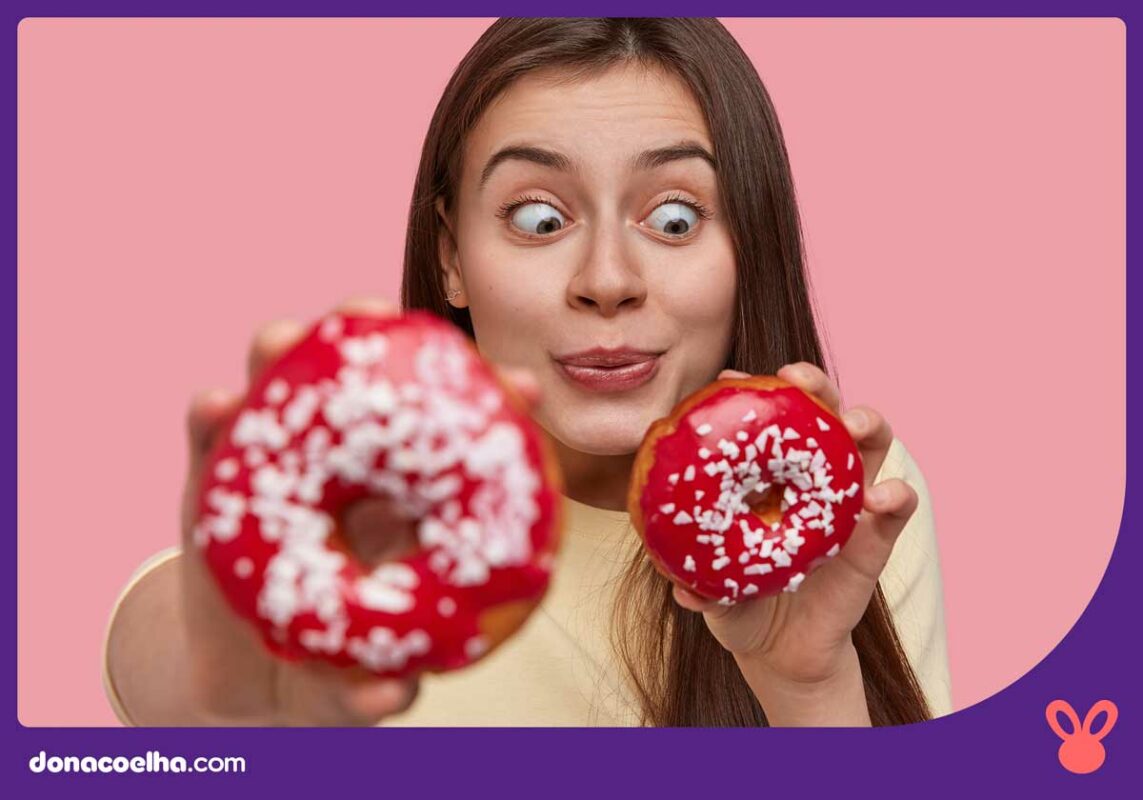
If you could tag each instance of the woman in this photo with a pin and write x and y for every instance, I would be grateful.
(597, 183)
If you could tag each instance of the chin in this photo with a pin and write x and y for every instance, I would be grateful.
(599, 434)
(602, 447)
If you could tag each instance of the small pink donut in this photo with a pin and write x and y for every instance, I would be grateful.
(402, 408)
(745, 488)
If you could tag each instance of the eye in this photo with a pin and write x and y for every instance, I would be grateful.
(534, 217)
(674, 218)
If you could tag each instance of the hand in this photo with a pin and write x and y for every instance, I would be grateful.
(236, 679)
(804, 638)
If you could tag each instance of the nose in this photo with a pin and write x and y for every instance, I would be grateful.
(609, 277)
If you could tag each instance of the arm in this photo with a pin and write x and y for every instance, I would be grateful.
(174, 657)
(837, 702)
(175, 654)
(912, 585)
(795, 649)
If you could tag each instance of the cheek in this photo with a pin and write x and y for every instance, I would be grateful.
(509, 298)
(699, 295)
(706, 304)
(699, 300)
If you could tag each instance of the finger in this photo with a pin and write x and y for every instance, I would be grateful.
(693, 602)
(271, 341)
(206, 416)
(811, 379)
(208, 409)
(689, 600)
(368, 305)
(842, 588)
(890, 505)
(311, 692)
(523, 381)
(375, 700)
(873, 436)
(321, 693)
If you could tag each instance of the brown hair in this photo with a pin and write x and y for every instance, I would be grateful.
(680, 674)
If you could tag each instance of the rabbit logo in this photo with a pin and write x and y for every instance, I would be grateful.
(1081, 751)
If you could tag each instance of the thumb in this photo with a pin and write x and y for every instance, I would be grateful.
(693, 602)
(208, 409)
(374, 700)
(204, 420)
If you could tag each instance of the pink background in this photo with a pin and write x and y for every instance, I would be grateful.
(963, 191)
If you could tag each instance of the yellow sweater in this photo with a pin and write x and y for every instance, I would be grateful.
(558, 670)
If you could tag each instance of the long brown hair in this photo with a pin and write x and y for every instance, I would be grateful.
(680, 674)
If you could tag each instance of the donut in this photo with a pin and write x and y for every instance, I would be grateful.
(401, 408)
(747, 486)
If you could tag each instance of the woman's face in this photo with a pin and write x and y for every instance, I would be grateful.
(587, 218)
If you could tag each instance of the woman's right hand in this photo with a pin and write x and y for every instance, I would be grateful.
(234, 677)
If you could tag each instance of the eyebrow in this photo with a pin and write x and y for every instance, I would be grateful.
(648, 159)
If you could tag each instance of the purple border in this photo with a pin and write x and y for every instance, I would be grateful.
(1001, 743)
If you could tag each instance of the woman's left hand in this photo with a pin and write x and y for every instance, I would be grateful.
(803, 638)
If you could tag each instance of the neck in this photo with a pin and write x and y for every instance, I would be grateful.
(599, 481)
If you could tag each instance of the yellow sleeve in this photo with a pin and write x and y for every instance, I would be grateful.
(913, 586)
(141, 572)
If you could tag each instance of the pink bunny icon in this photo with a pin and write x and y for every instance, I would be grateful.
(1081, 751)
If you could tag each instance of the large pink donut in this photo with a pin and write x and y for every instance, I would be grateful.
(402, 408)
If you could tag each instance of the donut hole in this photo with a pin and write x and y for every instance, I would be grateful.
(766, 503)
(375, 531)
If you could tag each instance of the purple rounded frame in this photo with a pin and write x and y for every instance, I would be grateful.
(1002, 743)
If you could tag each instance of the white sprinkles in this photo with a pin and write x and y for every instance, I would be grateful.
(781, 458)
(310, 435)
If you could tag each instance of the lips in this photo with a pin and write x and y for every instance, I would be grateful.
(604, 370)
(602, 357)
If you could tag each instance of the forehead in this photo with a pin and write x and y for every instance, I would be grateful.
(599, 120)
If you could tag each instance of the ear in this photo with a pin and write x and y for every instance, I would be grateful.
(449, 257)
(1062, 707)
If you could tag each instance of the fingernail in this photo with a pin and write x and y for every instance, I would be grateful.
(879, 495)
(856, 419)
(383, 694)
